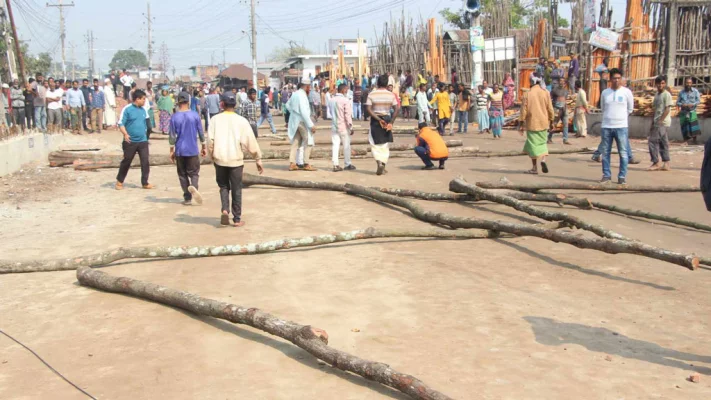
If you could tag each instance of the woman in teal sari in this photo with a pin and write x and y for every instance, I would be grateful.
(165, 108)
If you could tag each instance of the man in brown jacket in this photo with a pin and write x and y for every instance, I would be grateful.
(536, 117)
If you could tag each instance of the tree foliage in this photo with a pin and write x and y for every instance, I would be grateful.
(282, 53)
(33, 63)
(521, 14)
(128, 59)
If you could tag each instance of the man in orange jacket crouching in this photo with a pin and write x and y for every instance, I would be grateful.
(430, 146)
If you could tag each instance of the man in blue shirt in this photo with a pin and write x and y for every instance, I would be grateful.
(135, 140)
(97, 107)
(185, 128)
(265, 113)
(77, 105)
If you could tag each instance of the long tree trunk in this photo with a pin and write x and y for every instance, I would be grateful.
(460, 185)
(535, 187)
(122, 253)
(307, 337)
(361, 141)
(649, 215)
(611, 246)
(560, 199)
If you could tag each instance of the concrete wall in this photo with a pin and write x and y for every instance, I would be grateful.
(18, 151)
(639, 127)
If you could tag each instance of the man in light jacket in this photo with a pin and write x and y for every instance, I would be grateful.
(341, 128)
(300, 126)
(228, 136)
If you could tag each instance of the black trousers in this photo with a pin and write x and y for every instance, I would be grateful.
(229, 179)
(30, 115)
(149, 128)
(188, 173)
(129, 152)
(206, 115)
(86, 118)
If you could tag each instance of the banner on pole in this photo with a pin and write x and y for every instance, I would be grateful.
(589, 20)
(476, 37)
(604, 39)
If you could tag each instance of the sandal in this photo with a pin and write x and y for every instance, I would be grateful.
(308, 167)
(531, 171)
(239, 224)
(293, 167)
(544, 167)
(225, 219)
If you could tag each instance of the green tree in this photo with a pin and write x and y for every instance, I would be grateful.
(33, 64)
(282, 53)
(128, 59)
(460, 20)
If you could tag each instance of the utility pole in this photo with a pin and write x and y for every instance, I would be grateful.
(254, 45)
(90, 42)
(17, 42)
(150, 39)
(63, 31)
(74, 69)
(472, 7)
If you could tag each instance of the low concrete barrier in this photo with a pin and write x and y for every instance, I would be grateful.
(23, 149)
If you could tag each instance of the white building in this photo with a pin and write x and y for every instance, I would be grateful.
(350, 46)
(314, 64)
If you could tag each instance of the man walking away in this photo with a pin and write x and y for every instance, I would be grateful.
(341, 128)
(86, 91)
(185, 128)
(212, 103)
(229, 135)
(617, 104)
(430, 146)
(658, 139)
(249, 110)
(536, 117)
(581, 109)
(559, 96)
(17, 99)
(135, 140)
(688, 99)
(300, 127)
(363, 100)
(265, 112)
(76, 104)
(98, 101)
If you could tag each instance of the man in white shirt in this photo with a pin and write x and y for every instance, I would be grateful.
(126, 81)
(617, 103)
(54, 107)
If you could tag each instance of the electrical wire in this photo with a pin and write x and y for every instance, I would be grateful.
(48, 366)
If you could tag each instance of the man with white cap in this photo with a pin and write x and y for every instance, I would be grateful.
(536, 116)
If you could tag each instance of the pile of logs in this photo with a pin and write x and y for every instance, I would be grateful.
(556, 228)
(644, 103)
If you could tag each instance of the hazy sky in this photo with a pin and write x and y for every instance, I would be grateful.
(196, 31)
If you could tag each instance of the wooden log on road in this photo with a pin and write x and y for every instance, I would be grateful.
(364, 141)
(611, 246)
(307, 337)
(535, 187)
(460, 185)
(124, 253)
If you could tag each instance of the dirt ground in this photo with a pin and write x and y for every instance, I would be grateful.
(519, 318)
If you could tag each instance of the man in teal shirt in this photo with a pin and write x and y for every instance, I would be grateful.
(135, 140)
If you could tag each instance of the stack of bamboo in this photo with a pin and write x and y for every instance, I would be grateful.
(434, 56)
(532, 54)
(639, 42)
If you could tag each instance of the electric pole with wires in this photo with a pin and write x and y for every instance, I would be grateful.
(149, 20)
(63, 31)
(90, 43)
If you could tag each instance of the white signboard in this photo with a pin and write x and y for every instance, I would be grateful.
(500, 49)
(604, 39)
